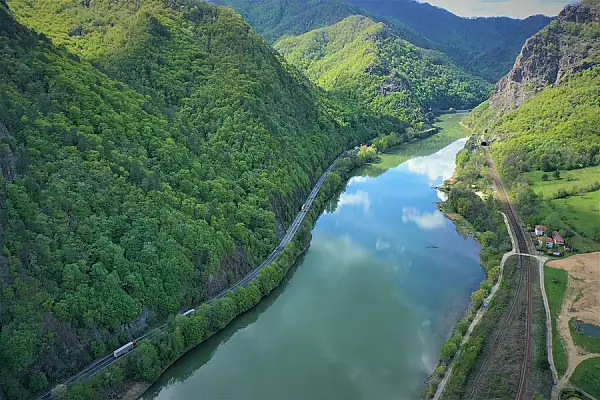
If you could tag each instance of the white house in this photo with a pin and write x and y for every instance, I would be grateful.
(540, 230)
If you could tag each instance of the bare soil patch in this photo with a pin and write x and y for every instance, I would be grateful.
(583, 292)
(582, 300)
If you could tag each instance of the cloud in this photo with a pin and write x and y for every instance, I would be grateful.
(510, 8)
(427, 221)
(439, 165)
(360, 198)
(357, 179)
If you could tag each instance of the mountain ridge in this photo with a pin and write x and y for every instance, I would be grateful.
(477, 49)
(366, 61)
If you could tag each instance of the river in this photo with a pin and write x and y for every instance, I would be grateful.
(366, 311)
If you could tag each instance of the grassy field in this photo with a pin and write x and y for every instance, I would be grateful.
(569, 180)
(555, 281)
(587, 376)
(581, 212)
(588, 343)
(582, 244)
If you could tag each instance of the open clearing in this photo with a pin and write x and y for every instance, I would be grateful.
(569, 180)
(556, 287)
(582, 301)
(587, 376)
(582, 212)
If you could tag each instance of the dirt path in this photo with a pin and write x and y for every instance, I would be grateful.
(582, 301)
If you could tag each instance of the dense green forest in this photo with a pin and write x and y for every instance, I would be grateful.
(365, 62)
(274, 19)
(486, 46)
(150, 160)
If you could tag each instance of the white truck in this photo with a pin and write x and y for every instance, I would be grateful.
(126, 348)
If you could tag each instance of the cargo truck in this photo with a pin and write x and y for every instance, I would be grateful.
(126, 348)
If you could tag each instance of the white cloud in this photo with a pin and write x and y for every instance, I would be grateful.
(432, 220)
(357, 179)
(510, 8)
(360, 198)
(438, 165)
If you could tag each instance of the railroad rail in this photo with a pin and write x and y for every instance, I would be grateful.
(524, 275)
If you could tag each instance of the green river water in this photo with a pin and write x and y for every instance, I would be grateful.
(364, 314)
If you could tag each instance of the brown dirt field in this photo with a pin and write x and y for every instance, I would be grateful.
(584, 282)
(582, 300)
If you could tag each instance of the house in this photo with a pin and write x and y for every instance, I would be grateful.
(540, 230)
(545, 241)
(558, 239)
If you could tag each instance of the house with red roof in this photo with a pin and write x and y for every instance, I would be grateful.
(545, 241)
(558, 239)
(540, 230)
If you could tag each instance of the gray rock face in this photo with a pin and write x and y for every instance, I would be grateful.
(392, 84)
(549, 57)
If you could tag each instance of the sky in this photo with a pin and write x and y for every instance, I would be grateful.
(510, 8)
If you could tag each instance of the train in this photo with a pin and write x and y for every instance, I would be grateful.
(126, 348)
(189, 312)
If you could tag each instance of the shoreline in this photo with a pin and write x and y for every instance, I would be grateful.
(132, 387)
(138, 388)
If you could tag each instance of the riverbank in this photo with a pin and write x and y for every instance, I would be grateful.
(182, 334)
(130, 376)
(496, 360)
(467, 210)
(377, 239)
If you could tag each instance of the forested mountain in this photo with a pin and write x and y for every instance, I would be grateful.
(147, 162)
(276, 18)
(487, 46)
(365, 62)
(546, 111)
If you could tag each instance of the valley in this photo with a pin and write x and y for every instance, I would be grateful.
(366, 285)
(264, 192)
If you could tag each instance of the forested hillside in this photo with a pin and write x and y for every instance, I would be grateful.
(486, 46)
(147, 163)
(546, 111)
(276, 18)
(366, 62)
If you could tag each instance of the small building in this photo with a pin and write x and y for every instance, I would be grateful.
(545, 241)
(540, 230)
(558, 239)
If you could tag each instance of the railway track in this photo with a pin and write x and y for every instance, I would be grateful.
(524, 275)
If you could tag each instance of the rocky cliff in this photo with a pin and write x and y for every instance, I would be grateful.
(568, 45)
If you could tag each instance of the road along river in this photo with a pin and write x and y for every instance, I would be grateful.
(366, 311)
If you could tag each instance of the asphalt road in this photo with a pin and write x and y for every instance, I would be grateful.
(100, 364)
